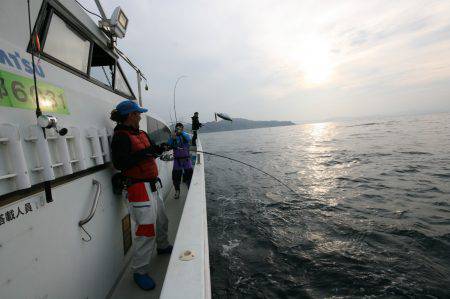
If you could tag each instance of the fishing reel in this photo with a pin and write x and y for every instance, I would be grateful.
(166, 157)
(49, 122)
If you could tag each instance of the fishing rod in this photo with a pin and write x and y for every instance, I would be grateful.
(249, 165)
(174, 92)
(228, 118)
(34, 43)
(35, 46)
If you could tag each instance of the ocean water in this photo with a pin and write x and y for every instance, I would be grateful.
(372, 218)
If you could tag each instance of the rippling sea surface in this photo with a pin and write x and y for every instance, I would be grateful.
(372, 218)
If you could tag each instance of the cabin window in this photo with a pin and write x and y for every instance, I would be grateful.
(121, 83)
(102, 66)
(67, 46)
(157, 131)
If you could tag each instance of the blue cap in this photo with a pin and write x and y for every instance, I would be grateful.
(128, 106)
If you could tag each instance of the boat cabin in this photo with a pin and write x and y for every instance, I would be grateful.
(63, 233)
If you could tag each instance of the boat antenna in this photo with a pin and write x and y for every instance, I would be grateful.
(251, 166)
(35, 43)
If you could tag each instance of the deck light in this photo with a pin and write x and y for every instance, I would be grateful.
(116, 25)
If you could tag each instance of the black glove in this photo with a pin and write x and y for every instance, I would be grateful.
(148, 151)
(155, 152)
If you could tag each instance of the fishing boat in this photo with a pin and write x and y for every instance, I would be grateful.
(63, 232)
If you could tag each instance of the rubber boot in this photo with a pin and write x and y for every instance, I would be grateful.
(144, 281)
(167, 250)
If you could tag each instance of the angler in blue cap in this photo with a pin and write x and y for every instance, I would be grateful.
(134, 154)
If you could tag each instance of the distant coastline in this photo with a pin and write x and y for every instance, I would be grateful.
(241, 124)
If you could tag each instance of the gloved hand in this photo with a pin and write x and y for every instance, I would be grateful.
(155, 153)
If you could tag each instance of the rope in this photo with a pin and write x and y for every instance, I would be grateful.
(106, 75)
(87, 10)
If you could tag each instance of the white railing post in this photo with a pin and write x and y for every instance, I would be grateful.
(15, 152)
(37, 135)
(64, 155)
(79, 151)
(97, 154)
(105, 144)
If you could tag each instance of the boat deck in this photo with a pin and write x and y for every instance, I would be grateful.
(127, 288)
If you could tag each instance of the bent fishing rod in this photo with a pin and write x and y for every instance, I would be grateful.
(228, 118)
(249, 165)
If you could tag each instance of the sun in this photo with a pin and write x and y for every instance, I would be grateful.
(315, 62)
(306, 58)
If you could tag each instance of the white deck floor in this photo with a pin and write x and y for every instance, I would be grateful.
(127, 288)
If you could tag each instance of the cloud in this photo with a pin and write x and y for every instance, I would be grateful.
(291, 59)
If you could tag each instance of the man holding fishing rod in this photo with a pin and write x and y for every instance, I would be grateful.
(182, 165)
(196, 125)
(133, 153)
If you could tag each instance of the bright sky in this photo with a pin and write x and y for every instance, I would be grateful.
(292, 59)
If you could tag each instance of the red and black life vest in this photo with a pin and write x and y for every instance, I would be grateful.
(145, 169)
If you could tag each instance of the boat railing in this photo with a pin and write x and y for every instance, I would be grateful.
(82, 222)
(188, 274)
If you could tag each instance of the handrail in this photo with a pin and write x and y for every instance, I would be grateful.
(92, 210)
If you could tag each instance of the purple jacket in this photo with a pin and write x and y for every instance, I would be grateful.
(182, 159)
